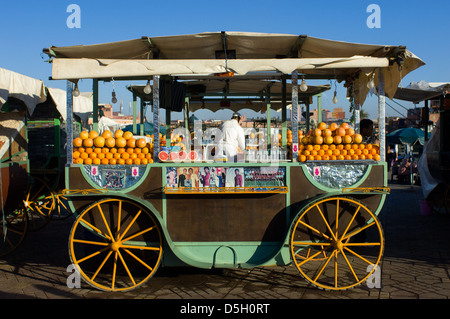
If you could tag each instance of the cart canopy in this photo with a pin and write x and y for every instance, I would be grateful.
(28, 90)
(417, 92)
(238, 52)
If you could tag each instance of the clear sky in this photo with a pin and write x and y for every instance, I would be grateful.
(29, 26)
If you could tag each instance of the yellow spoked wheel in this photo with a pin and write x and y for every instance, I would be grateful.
(39, 203)
(12, 230)
(336, 243)
(115, 244)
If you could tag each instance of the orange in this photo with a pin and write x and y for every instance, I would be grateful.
(348, 146)
(324, 147)
(310, 158)
(109, 155)
(79, 161)
(116, 156)
(137, 161)
(99, 141)
(347, 157)
(329, 152)
(321, 152)
(355, 157)
(97, 150)
(369, 156)
(355, 146)
(373, 151)
(127, 135)
(145, 150)
(76, 154)
(333, 126)
(137, 150)
(129, 161)
(141, 143)
(121, 161)
(344, 125)
(341, 157)
(369, 146)
(318, 140)
(314, 153)
(305, 140)
(105, 150)
(376, 157)
(326, 158)
(87, 161)
(88, 142)
(317, 132)
(130, 150)
(302, 158)
(93, 134)
(121, 142)
(112, 161)
(113, 150)
(358, 152)
(125, 155)
(340, 131)
(81, 149)
(84, 135)
(306, 152)
(357, 138)
(347, 139)
(340, 147)
(344, 152)
(350, 131)
(84, 155)
(105, 161)
(148, 156)
(118, 133)
(362, 156)
(144, 161)
(337, 139)
(96, 161)
(327, 132)
(332, 147)
(333, 157)
(328, 140)
(133, 156)
(351, 152)
(150, 160)
(107, 134)
(110, 142)
(322, 126)
(309, 147)
(121, 150)
(362, 146)
(101, 155)
(77, 142)
(93, 155)
(131, 142)
(89, 150)
(318, 158)
(141, 156)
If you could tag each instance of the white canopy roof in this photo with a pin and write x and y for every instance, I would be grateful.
(82, 104)
(420, 91)
(30, 91)
(239, 52)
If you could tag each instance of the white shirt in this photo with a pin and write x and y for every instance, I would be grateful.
(232, 137)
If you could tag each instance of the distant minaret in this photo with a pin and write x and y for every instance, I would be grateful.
(121, 107)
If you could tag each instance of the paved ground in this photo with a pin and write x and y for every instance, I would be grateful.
(416, 265)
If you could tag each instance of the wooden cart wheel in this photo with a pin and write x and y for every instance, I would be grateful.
(12, 230)
(336, 243)
(39, 203)
(115, 244)
(62, 210)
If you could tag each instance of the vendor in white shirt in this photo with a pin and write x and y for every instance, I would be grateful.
(232, 137)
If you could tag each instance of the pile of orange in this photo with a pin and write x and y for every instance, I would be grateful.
(335, 142)
(110, 149)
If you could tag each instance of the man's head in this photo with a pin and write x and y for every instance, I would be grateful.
(236, 116)
(366, 127)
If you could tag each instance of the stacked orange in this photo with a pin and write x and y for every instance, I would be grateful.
(119, 148)
(335, 142)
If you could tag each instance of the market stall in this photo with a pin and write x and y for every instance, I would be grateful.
(263, 209)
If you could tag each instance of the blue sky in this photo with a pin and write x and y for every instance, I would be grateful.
(29, 26)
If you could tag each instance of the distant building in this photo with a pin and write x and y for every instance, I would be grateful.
(336, 115)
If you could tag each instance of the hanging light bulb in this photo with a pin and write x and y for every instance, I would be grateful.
(75, 91)
(114, 99)
(371, 83)
(148, 88)
(335, 99)
(303, 86)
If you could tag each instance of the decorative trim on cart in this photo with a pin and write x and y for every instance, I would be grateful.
(91, 191)
(115, 177)
(218, 179)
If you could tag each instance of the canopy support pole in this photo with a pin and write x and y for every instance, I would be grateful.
(134, 113)
(269, 121)
(381, 116)
(283, 112)
(69, 123)
(319, 108)
(141, 126)
(155, 118)
(95, 104)
(294, 145)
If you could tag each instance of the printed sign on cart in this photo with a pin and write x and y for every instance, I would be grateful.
(135, 171)
(316, 171)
